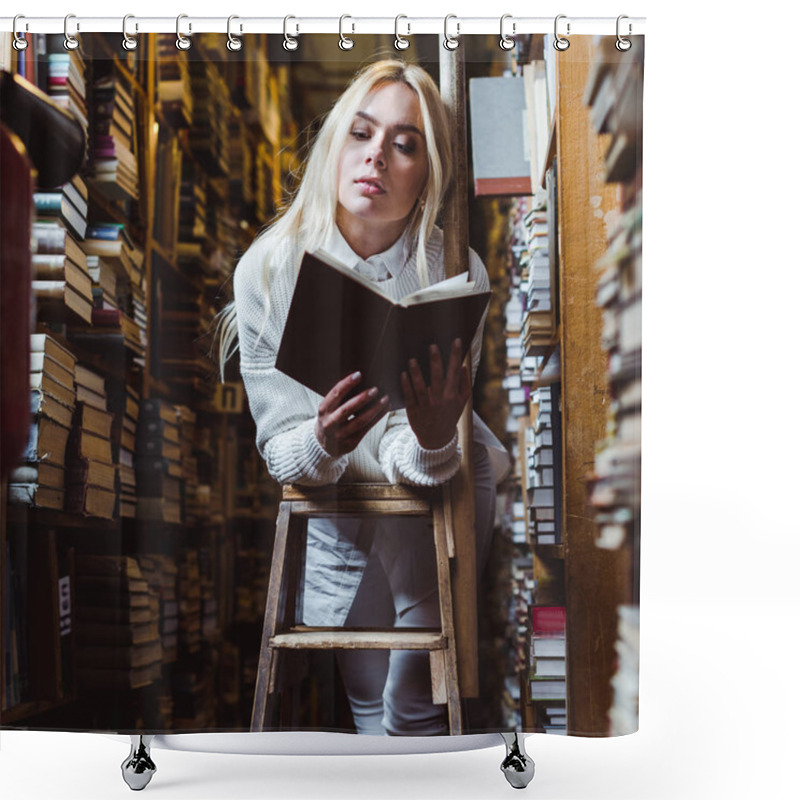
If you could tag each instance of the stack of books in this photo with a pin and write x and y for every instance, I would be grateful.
(189, 603)
(114, 170)
(543, 444)
(264, 191)
(66, 81)
(187, 422)
(112, 242)
(127, 449)
(161, 573)
(158, 462)
(208, 136)
(116, 629)
(173, 84)
(548, 625)
(614, 92)
(41, 480)
(104, 283)
(209, 487)
(193, 245)
(69, 204)
(538, 282)
(61, 279)
(91, 474)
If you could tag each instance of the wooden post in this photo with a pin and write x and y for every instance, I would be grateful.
(590, 573)
(456, 254)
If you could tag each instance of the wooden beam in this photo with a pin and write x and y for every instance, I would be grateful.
(585, 203)
(456, 254)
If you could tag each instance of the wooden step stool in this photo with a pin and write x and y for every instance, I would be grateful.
(298, 504)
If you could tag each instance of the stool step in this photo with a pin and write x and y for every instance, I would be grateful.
(338, 639)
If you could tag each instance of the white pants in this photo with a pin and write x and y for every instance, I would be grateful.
(390, 691)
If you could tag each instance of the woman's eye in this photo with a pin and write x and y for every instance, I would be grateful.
(404, 148)
(359, 134)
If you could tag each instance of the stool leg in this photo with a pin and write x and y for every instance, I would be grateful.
(267, 655)
(448, 626)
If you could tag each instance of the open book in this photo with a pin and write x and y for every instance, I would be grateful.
(339, 322)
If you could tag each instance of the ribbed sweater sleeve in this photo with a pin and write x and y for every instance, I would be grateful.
(284, 413)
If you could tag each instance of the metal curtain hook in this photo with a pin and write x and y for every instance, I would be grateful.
(70, 42)
(345, 43)
(288, 42)
(623, 44)
(451, 42)
(234, 43)
(129, 42)
(400, 42)
(20, 42)
(560, 42)
(507, 43)
(182, 42)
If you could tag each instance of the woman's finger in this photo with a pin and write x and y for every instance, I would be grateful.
(418, 382)
(454, 366)
(358, 427)
(333, 399)
(353, 406)
(437, 371)
(408, 392)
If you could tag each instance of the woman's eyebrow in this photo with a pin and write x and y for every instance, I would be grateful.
(400, 126)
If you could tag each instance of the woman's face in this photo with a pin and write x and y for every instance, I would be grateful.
(383, 165)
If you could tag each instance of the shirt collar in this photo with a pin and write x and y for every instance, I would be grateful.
(393, 258)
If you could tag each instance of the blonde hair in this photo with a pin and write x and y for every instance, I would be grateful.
(308, 218)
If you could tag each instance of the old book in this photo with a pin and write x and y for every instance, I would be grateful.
(42, 343)
(109, 634)
(93, 419)
(90, 500)
(41, 362)
(123, 679)
(43, 404)
(44, 474)
(85, 444)
(89, 472)
(47, 441)
(108, 565)
(90, 379)
(340, 322)
(33, 494)
(48, 384)
(120, 656)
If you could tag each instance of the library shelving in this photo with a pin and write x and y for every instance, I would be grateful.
(135, 554)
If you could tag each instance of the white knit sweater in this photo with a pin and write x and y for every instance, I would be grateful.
(285, 411)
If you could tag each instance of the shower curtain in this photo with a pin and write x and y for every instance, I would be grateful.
(138, 511)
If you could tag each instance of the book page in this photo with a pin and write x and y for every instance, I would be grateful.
(451, 287)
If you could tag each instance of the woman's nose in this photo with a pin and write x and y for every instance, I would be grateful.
(375, 156)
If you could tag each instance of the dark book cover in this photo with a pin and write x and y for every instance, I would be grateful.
(339, 322)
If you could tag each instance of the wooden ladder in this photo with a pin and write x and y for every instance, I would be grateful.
(298, 504)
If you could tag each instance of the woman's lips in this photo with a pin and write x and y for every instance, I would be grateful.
(370, 188)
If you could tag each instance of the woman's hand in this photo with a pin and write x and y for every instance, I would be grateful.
(433, 412)
(341, 426)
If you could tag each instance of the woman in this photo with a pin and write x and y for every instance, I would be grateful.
(373, 185)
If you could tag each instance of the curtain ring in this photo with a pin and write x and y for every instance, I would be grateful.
(182, 42)
(507, 43)
(560, 43)
(70, 42)
(234, 44)
(345, 43)
(451, 42)
(20, 42)
(288, 42)
(129, 42)
(400, 42)
(623, 44)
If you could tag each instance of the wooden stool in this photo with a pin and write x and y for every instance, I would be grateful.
(354, 500)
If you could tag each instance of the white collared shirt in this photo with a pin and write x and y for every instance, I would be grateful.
(379, 267)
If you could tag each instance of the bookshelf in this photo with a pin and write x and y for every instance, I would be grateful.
(158, 231)
(573, 347)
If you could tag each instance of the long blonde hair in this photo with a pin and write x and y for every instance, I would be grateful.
(308, 218)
